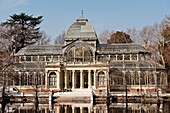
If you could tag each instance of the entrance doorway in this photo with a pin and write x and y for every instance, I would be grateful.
(77, 79)
(85, 79)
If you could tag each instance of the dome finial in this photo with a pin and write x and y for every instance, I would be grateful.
(82, 12)
(82, 16)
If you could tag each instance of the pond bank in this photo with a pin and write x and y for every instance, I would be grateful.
(85, 96)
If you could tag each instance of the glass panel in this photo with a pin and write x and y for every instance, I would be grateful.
(55, 58)
(113, 57)
(48, 58)
(22, 58)
(101, 78)
(28, 58)
(35, 58)
(30, 78)
(78, 54)
(127, 57)
(41, 58)
(53, 79)
(134, 56)
(17, 59)
(17, 78)
(119, 57)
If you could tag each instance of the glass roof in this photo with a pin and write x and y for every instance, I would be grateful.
(40, 50)
(81, 29)
(120, 48)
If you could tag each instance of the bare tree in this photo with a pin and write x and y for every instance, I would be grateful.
(151, 36)
(60, 38)
(45, 39)
(6, 58)
(6, 68)
(134, 34)
(104, 36)
(164, 43)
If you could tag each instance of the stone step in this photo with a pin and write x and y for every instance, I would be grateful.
(76, 92)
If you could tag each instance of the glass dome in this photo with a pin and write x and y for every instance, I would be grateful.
(81, 29)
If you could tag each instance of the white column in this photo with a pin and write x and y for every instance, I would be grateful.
(140, 85)
(165, 78)
(58, 81)
(124, 80)
(123, 57)
(73, 109)
(58, 109)
(19, 59)
(89, 110)
(137, 57)
(89, 79)
(19, 77)
(132, 78)
(130, 57)
(34, 79)
(95, 83)
(28, 80)
(148, 81)
(147, 78)
(81, 79)
(155, 77)
(116, 57)
(107, 79)
(65, 108)
(73, 79)
(81, 110)
(66, 79)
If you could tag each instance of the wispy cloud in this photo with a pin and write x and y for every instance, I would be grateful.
(6, 4)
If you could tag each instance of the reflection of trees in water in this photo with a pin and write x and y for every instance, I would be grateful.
(166, 107)
(36, 107)
(140, 108)
(3, 107)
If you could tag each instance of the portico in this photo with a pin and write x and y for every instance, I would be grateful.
(76, 79)
(79, 79)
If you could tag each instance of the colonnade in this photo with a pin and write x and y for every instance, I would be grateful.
(79, 80)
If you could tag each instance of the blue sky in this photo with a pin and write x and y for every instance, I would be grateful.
(102, 14)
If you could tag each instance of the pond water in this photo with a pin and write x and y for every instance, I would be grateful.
(85, 108)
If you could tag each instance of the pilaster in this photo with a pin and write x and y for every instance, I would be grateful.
(95, 81)
(73, 79)
(58, 81)
(66, 79)
(81, 79)
(89, 79)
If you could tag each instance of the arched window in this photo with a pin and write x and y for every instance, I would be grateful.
(41, 78)
(143, 78)
(23, 79)
(117, 77)
(52, 79)
(101, 78)
(128, 78)
(31, 78)
(78, 53)
(136, 77)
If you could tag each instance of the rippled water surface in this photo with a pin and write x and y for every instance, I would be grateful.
(85, 108)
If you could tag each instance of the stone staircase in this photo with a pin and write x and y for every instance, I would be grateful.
(76, 95)
(75, 92)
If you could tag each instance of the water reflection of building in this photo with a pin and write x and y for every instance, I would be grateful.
(83, 63)
(87, 108)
